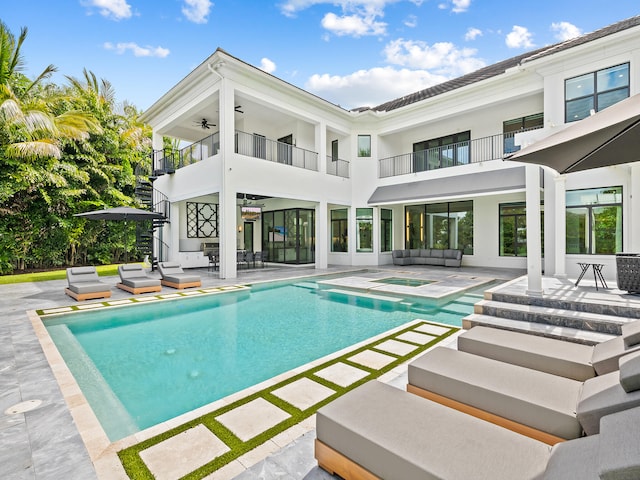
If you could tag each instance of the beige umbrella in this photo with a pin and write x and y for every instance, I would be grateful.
(609, 137)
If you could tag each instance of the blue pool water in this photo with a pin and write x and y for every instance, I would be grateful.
(143, 364)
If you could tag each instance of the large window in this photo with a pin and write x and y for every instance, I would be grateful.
(522, 124)
(594, 221)
(440, 225)
(339, 230)
(441, 152)
(364, 238)
(595, 91)
(513, 229)
(386, 230)
(364, 145)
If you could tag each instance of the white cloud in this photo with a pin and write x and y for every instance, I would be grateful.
(421, 66)
(267, 65)
(353, 25)
(196, 11)
(565, 30)
(356, 18)
(519, 37)
(460, 6)
(472, 33)
(457, 6)
(116, 9)
(443, 58)
(371, 87)
(411, 21)
(138, 51)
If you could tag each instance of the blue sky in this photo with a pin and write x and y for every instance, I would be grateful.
(350, 52)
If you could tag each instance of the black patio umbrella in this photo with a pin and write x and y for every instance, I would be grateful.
(121, 214)
(609, 137)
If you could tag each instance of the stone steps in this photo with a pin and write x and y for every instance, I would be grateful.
(549, 315)
(545, 330)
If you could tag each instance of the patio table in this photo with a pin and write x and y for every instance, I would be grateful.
(597, 273)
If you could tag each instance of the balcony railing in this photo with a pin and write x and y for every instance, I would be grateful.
(337, 167)
(482, 149)
(258, 146)
(168, 160)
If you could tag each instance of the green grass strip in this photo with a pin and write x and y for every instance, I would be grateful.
(136, 468)
(103, 271)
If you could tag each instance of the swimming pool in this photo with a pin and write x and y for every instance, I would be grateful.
(143, 364)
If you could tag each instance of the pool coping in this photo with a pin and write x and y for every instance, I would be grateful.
(104, 453)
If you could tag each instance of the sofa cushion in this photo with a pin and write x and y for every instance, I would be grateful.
(450, 253)
(434, 261)
(540, 400)
(414, 252)
(397, 253)
(567, 359)
(437, 253)
(630, 372)
(88, 287)
(397, 435)
(619, 457)
(600, 396)
(576, 458)
(631, 334)
(606, 354)
(425, 252)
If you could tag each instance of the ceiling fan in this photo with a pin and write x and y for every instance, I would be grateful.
(205, 124)
(246, 202)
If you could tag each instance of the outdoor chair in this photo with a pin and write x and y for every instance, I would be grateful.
(213, 261)
(134, 279)
(241, 258)
(560, 357)
(379, 431)
(260, 257)
(84, 284)
(250, 258)
(540, 405)
(173, 276)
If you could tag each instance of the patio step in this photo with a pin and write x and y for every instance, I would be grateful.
(541, 329)
(561, 317)
(599, 306)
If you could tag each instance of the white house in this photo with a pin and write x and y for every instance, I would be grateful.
(332, 186)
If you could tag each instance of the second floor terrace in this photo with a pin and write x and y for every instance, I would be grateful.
(169, 160)
(483, 149)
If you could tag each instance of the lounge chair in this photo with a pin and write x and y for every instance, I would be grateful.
(378, 431)
(84, 284)
(173, 276)
(541, 405)
(567, 359)
(134, 279)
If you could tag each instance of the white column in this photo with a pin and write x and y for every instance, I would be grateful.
(534, 247)
(560, 226)
(633, 215)
(321, 146)
(322, 235)
(228, 207)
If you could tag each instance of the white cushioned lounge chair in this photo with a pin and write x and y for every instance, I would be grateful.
(541, 405)
(134, 279)
(84, 284)
(173, 276)
(380, 432)
(567, 359)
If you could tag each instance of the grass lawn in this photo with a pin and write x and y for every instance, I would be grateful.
(103, 270)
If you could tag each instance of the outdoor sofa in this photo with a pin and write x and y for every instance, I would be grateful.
(377, 431)
(428, 256)
(560, 357)
(543, 406)
(84, 284)
(173, 276)
(134, 279)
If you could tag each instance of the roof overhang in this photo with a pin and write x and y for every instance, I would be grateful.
(459, 186)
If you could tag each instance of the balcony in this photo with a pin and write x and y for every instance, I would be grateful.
(337, 167)
(478, 150)
(258, 146)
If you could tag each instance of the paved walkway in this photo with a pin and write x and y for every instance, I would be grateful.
(44, 443)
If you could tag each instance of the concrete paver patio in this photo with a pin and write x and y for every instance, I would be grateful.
(45, 443)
